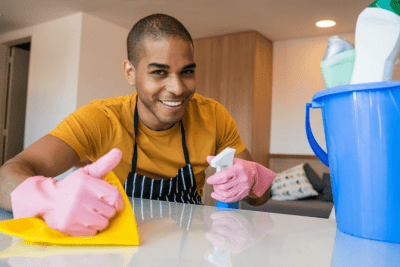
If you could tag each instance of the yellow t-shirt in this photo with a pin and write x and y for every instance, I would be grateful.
(94, 129)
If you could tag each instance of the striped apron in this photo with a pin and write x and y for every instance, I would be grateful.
(181, 188)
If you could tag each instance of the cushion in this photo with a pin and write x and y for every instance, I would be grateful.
(317, 183)
(326, 194)
(292, 184)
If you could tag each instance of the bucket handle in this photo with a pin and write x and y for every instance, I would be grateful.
(319, 152)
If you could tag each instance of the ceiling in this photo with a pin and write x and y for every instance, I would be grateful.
(277, 20)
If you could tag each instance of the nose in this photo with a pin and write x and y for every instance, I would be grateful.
(175, 85)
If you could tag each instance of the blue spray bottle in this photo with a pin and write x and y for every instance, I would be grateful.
(223, 161)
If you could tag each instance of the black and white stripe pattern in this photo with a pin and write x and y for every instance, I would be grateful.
(181, 188)
(181, 214)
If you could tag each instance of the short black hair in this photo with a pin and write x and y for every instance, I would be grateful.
(154, 26)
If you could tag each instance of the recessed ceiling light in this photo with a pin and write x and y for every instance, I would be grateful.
(325, 23)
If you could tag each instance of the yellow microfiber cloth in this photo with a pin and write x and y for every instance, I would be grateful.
(122, 228)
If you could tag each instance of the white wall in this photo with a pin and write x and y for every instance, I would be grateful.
(296, 77)
(53, 73)
(103, 49)
(73, 61)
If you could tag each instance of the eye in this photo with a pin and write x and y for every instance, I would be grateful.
(188, 72)
(159, 72)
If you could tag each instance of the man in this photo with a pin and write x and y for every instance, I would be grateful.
(157, 141)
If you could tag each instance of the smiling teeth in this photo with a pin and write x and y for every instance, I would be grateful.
(172, 104)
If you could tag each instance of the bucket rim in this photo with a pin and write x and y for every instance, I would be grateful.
(354, 88)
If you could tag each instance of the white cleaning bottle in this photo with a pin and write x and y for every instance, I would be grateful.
(377, 42)
(338, 62)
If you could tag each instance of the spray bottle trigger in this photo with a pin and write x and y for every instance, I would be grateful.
(224, 159)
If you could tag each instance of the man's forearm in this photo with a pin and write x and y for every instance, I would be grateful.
(12, 174)
(258, 201)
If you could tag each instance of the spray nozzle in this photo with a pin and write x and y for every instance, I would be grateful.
(390, 5)
(224, 159)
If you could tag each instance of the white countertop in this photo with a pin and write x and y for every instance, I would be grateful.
(174, 234)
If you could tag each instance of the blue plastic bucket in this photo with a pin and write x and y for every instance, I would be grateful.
(362, 132)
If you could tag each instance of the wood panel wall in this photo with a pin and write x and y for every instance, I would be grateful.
(236, 70)
(262, 100)
(224, 72)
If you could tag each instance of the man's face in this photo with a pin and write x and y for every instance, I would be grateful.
(165, 81)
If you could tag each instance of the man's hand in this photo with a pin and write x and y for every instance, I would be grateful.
(231, 232)
(244, 178)
(79, 205)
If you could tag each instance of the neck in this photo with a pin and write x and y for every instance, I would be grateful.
(148, 118)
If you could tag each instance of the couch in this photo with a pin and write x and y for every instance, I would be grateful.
(319, 206)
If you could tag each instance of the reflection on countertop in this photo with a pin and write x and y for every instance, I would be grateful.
(191, 228)
(175, 234)
(22, 254)
(351, 251)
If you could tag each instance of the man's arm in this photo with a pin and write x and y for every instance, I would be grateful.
(49, 157)
(253, 199)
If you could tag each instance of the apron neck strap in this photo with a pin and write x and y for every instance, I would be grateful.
(136, 126)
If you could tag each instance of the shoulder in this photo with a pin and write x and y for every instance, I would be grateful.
(107, 112)
(116, 103)
(203, 110)
(208, 108)
(199, 102)
(113, 107)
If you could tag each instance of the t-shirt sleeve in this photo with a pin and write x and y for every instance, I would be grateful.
(86, 130)
(227, 133)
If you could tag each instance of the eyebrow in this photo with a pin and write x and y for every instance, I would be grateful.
(164, 66)
(191, 66)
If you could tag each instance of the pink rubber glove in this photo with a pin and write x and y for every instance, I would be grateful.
(233, 232)
(79, 205)
(244, 178)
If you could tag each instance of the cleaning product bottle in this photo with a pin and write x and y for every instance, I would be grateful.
(223, 161)
(377, 42)
(338, 62)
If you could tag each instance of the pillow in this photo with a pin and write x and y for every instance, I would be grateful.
(326, 195)
(317, 183)
(292, 184)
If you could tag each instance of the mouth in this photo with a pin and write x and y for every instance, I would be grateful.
(172, 105)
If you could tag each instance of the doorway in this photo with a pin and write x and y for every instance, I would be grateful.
(14, 61)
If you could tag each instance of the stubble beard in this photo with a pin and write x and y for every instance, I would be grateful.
(171, 120)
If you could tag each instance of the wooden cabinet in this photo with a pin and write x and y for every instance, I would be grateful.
(236, 70)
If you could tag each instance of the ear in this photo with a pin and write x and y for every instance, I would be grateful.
(129, 71)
